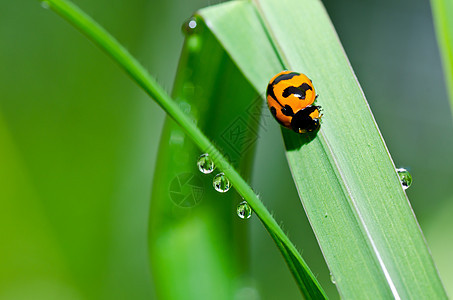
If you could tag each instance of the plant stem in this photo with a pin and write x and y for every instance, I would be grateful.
(310, 288)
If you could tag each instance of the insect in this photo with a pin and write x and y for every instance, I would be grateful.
(290, 96)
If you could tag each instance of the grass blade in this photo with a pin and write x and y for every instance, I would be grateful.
(345, 176)
(121, 56)
(214, 253)
(443, 21)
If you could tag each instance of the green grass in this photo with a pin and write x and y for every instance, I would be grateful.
(443, 21)
(345, 176)
(305, 279)
(442, 11)
(214, 253)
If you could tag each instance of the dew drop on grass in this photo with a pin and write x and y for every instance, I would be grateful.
(192, 24)
(332, 279)
(205, 164)
(189, 26)
(221, 183)
(244, 210)
(45, 4)
(405, 177)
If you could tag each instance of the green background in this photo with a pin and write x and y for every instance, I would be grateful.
(78, 144)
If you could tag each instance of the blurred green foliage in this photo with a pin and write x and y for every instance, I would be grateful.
(78, 145)
(202, 242)
(78, 141)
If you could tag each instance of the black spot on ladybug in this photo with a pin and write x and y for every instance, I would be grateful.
(292, 90)
(305, 87)
(270, 92)
(299, 92)
(284, 77)
(287, 110)
(274, 113)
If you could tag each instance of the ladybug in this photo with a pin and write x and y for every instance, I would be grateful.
(290, 96)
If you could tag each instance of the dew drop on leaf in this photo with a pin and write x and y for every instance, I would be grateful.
(205, 164)
(221, 183)
(189, 26)
(332, 278)
(405, 177)
(45, 4)
(244, 210)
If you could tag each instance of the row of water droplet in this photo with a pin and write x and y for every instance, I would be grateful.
(222, 184)
(206, 166)
(244, 211)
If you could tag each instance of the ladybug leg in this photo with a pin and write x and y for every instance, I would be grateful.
(319, 111)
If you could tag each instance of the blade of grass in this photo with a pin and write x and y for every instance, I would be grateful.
(120, 55)
(214, 253)
(443, 21)
(351, 141)
(345, 176)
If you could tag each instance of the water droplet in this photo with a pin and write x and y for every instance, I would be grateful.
(45, 4)
(205, 164)
(332, 279)
(185, 107)
(326, 215)
(246, 293)
(405, 177)
(244, 210)
(177, 137)
(190, 26)
(221, 183)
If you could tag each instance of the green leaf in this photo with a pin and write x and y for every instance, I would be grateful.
(345, 176)
(124, 59)
(213, 256)
(443, 21)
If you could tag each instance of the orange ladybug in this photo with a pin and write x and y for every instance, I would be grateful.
(290, 96)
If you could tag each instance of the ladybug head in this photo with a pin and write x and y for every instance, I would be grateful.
(306, 120)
